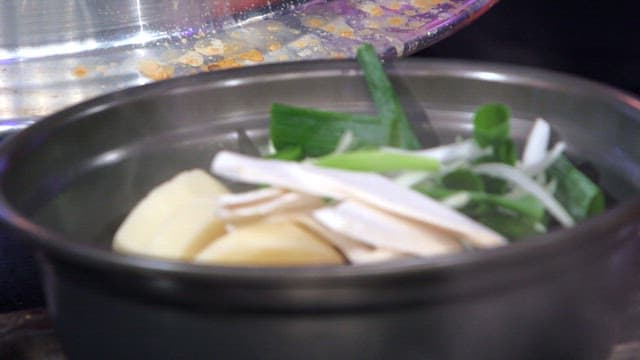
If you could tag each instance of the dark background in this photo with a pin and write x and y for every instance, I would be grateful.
(590, 38)
(596, 39)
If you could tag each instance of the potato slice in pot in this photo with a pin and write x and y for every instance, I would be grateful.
(270, 244)
(139, 229)
(193, 226)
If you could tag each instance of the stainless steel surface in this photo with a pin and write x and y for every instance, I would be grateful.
(56, 53)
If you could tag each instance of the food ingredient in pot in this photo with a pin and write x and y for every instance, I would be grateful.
(342, 187)
(269, 244)
(147, 230)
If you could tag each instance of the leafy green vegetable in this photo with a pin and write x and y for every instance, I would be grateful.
(526, 206)
(575, 191)
(299, 133)
(390, 110)
(512, 217)
(463, 179)
(491, 124)
(318, 132)
(512, 226)
(492, 128)
(505, 152)
(378, 161)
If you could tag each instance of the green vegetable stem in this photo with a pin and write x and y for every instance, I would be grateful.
(378, 161)
(390, 110)
(575, 191)
(318, 132)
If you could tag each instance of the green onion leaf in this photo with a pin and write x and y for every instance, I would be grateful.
(491, 124)
(575, 191)
(378, 161)
(318, 132)
(463, 179)
(505, 152)
(526, 205)
(390, 110)
(511, 226)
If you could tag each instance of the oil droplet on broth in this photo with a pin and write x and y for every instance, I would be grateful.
(425, 4)
(210, 47)
(274, 46)
(191, 58)
(80, 71)
(155, 71)
(252, 55)
(372, 9)
(224, 64)
(397, 21)
(315, 22)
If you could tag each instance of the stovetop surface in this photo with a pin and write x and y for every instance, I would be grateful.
(28, 335)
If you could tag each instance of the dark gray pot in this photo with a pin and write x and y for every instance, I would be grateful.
(67, 181)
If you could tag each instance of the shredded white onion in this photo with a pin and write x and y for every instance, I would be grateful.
(520, 179)
(410, 178)
(466, 150)
(457, 200)
(537, 143)
(543, 163)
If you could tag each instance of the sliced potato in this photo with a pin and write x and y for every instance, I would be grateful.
(189, 230)
(138, 230)
(270, 244)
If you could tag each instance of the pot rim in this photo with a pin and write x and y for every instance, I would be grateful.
(552, 245)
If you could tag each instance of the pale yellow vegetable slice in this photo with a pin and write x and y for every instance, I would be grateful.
(190, 229)
(141, 225)
(270, 244)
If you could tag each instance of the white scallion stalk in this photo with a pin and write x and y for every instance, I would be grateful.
(537, 143)
(543, 163)
(466, 150)
(268, 149)
(410, 178)
(520, 179)
(370, 188)
(382, 229)
(457, 200)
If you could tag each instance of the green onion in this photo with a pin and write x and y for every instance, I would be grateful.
(318, 132)
(463, 179)
(390, 110)
(483, 188)
(378, 161)
(575, 191)
(511, 226)
(491, 124)
(526, 205)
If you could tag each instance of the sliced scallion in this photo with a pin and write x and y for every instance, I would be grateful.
(378, 161)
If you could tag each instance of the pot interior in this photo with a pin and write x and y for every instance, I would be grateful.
(80, 171)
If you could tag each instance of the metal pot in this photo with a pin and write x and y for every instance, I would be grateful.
(67, 181)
